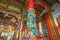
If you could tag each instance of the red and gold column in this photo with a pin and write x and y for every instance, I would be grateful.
(52, 29)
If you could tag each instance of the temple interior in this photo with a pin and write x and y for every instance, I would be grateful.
(29, 19)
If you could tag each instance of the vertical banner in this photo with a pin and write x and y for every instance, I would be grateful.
(31, 22)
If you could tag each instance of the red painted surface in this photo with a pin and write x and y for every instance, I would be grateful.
(31, 38)
(59, 29)
(31, 4)
(24, 38)
(44, 5)
(58, 1)
(48, 26)
(7, 23)
(39, 38)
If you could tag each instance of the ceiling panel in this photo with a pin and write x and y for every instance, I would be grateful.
(21, 5)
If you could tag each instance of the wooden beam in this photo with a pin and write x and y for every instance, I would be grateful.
(46, 6)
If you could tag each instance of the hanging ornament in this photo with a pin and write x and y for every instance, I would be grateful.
(31, 23)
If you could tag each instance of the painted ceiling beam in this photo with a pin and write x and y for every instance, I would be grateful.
(7, 23)
(44, 5)
(37, 10)
(24, 4)
(19, 1)
(12, 13)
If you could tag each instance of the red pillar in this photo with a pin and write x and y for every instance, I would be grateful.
(48, 25)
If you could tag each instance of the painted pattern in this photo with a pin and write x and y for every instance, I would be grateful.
(31, 23)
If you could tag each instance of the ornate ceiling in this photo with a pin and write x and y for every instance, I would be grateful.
(18, 8)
